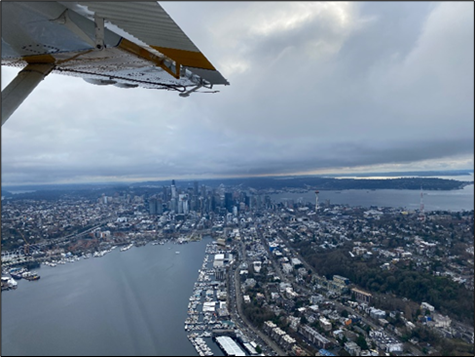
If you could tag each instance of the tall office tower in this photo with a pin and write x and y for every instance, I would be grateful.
(159, 206)
(316, 200)
(180, 205)
(213, 203)
(208, 205)
(173, 189)
(189, 195)
(166, 193)
(247, 201)
(195, 188)
(183, 203)
(152, 206)
(228, 201)
(200, 205)
(173, 205)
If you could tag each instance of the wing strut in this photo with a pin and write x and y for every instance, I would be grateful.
(23, 84)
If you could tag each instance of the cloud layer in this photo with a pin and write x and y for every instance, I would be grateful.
(313, 86)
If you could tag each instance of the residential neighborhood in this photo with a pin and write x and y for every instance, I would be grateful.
(327, 280)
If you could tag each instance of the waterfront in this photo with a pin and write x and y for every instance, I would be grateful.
(125, 303)
(135, 302)
(455, 200)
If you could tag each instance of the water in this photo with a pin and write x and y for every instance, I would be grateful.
(135, 302)
(454, 200)
(16, 192)
(125, 303)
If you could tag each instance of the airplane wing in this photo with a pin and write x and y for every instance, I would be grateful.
(126, 44)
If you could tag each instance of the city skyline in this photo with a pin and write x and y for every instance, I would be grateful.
(316, 88)
(348, 268)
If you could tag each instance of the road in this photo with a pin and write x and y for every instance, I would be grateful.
(339, 305)
(239, 301)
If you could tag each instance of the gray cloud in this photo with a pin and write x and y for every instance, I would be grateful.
(313, 86)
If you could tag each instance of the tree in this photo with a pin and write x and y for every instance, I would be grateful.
(361, 341)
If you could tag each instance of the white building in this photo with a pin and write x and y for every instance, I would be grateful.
(426, 306)
(325, 323)
(295, 261)
(257, 266)
(352, 348)
(209, 306)
(218, 260)
(442, 321)
(287, 268)
(230, 346)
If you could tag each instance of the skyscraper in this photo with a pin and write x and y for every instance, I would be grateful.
(173, 189)
(159, 206)
(228, 201)
(152, 206)
(183, 203)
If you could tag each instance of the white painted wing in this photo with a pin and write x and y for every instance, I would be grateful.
(157, 55)
(148, 22)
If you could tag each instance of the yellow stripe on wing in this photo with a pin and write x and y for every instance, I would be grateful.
(139, 51)
(186, 58)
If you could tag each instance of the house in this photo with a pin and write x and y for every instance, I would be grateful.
(352, 348)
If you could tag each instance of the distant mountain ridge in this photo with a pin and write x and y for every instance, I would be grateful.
(411, 173)
(323, 182)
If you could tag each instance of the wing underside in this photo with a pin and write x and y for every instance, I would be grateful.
(128, 44)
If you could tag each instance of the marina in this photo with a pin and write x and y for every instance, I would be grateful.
(140, 318)
(127, 247)
(9, 282)
(207, 316)
(203, 316)
(209, 322)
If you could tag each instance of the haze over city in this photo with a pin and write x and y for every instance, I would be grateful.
(315, 88)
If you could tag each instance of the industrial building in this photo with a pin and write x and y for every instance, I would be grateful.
(229, 346)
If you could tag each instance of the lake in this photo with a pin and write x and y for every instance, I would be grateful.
(125, 303)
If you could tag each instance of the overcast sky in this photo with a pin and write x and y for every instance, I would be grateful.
(315, 88)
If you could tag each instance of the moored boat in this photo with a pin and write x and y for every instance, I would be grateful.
(30, 276)
(16, 275)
